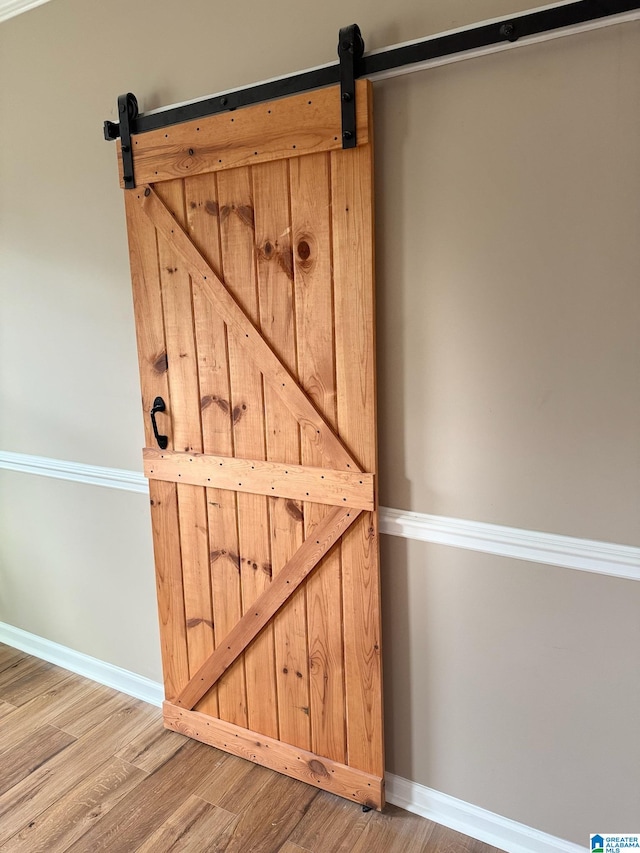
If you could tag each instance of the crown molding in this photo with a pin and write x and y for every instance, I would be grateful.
(11, 8)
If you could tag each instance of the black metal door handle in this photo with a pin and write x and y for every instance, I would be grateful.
(158, 406)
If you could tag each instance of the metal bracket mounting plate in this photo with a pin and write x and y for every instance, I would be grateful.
(350, 52)
(127, 112)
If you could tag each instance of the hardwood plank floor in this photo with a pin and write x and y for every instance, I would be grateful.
(84, 768)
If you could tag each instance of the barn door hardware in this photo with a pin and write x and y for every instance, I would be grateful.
(350, 52)
(158, 406)
(128, 112)
(412, 55)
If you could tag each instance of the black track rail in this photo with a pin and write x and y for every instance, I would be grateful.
(434, 47)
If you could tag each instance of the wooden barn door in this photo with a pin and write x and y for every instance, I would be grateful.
(251, 248)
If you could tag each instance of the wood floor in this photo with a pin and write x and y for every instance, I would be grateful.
(85, 768)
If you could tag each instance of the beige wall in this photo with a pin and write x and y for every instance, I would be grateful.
(77, 569)
(513, 686)
(507, 239)
(508, 258)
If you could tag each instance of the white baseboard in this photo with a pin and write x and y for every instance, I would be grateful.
(586, 555)
(97, 670)
(441, 808)
(493, 829)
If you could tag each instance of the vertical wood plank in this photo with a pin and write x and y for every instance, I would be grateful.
(236, 213)
(277, 320)
(152, 359)
(168, 559)
(311, 229)
(187, 435)
(352, 207)
(201, 196)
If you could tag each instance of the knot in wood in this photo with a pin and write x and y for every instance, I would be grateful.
(304, 250)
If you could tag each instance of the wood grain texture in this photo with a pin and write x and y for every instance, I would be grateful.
(277, 323)
(6, 709)
(147, 306)
(443, 839)
(153, 365)
(264, 826)
(396, 832)
(258, 477)
(289, 127)
(193, 827)
(168, 560)
(9, 656)
(241, 313)
(225, 787)
(300, 764)
(25, 756)
(268, 603)
(132, 821)
(330, 825)
(74, 813)
(352, 210)
(184, 411)
(247, 401)
(312, 263)
(16, 723)
(182, 373)
(28, 687)
(201, 198)
(86, 798)
(17, 680)
(238, 784)
(44, 786)
(91, 709)
(151, 749)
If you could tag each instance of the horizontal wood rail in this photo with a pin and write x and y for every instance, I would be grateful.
(349, 782)
(276, 479)
(255, 135)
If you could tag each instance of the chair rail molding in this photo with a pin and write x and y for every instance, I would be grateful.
(586, 555)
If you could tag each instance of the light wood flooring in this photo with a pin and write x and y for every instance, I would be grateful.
(85, 768)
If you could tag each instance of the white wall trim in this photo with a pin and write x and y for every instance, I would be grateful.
(76, 472)
(441, 808)
(97, 670)
(11, 8)
(586, 555)
(486, 826)
(586, 26)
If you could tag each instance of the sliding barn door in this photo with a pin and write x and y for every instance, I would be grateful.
(251, 247)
